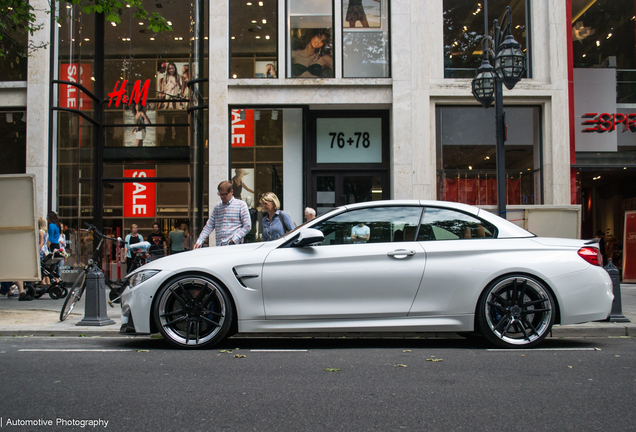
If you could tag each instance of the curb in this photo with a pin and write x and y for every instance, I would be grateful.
(608, 330)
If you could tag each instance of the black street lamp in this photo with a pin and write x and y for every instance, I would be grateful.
(510, 64)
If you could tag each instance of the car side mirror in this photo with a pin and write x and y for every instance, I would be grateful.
(309, 237)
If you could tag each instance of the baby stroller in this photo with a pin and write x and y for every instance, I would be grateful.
(57, 289)
(140, 257)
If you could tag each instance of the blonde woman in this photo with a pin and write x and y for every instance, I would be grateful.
(43, 247)
(275, 221)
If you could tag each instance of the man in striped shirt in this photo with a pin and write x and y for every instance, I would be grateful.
(230, 218)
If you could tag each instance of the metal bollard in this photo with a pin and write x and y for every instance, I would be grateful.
(617, 308)
(95, 301)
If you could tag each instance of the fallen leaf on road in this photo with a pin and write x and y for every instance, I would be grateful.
(400, 365)
(434, 360)
(406, 351)
(240, 356)
(226, 351)
(570, 367)
(332, 370)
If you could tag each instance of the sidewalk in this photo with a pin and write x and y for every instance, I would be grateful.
(40, 317)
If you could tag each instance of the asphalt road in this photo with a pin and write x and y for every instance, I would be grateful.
(313, 385)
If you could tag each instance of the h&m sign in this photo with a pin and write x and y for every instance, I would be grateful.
(138, 93)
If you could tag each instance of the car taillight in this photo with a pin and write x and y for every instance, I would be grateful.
(591, 255)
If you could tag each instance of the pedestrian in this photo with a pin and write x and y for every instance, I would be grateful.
(158, 244)
(275, 221)
(600, 235)
(54, 231)
(131, 239)
(230, 218)
(309, 214)
(6, 289)
(178, 237)
(43, 246)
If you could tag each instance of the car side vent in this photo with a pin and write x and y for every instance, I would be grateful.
(240, 278)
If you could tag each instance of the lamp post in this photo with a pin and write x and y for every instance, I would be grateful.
(510, 64)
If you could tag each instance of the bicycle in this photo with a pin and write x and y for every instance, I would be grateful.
(76, 291)
(141, 257)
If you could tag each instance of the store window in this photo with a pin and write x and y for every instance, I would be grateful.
(14, 47)
(13, 133)
(599, 30)
(253, 39)
(466, 155)
(365, 39)
(259, 140)
(150, 138)
(464, 30)
(310, 40)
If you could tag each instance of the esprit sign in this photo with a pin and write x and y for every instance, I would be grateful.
(70, 96)
(138, 93)
(606, 122)
(243, 130)
(139, 198)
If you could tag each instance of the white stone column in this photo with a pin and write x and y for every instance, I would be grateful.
(415, 25)
(38, 85)
(218, 117)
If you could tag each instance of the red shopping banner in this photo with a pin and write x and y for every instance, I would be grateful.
(139, 198)
(629, 247)
(71, 96)
(242, 130)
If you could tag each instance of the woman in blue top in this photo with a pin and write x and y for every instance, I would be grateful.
(54, 231)
(275, 222)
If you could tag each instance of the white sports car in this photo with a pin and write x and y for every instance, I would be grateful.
(379, 266)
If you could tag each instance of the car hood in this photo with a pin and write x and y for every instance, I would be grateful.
(201, 256)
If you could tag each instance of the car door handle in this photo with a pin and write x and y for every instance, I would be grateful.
(401, 253)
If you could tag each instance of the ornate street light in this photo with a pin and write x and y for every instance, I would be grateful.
(510, 64)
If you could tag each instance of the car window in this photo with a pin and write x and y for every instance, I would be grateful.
(371, 225)
(444, 224)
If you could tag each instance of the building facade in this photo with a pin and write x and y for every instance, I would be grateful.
(323, 102)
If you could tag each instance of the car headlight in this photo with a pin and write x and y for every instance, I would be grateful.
(141, 277)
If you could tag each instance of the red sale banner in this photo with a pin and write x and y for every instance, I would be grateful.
(139, 198)
(629, 247)
(243, 130)
(70, 96)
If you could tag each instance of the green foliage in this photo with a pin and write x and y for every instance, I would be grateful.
(21, 19)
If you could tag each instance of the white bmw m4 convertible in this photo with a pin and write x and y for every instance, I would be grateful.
(381, 266)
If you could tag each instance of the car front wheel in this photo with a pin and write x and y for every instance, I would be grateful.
(193, 311)
(516, 311)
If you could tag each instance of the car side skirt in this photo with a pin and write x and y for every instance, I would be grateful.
(409, 324)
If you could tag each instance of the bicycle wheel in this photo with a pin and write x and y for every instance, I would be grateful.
(74, 295)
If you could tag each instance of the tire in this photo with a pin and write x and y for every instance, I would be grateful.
(74, 295)
(516, 311)
(56, 293)
(193, 311)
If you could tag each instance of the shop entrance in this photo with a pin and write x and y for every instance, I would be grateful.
(348, 158)
(330, 189)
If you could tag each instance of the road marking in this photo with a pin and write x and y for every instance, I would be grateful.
(545, 349)
(74, 350)
(279, 350)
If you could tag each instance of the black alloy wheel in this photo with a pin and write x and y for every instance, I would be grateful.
(516, 311)
(193, 311)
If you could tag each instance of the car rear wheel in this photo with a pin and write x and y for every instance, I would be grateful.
(193, 311)
(516, 311)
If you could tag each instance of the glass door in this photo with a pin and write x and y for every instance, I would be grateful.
(333, 189)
